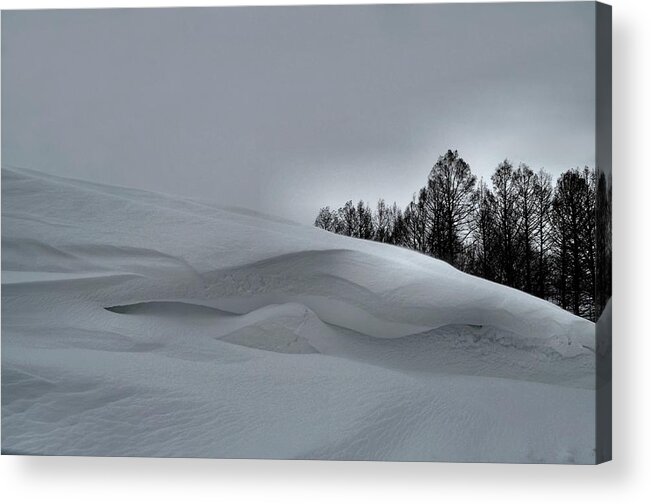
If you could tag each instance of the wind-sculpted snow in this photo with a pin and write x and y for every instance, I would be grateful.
(139, 324)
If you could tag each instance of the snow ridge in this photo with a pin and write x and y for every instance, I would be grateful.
(136, 323)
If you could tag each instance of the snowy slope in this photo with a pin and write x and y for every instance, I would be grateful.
(139, 324)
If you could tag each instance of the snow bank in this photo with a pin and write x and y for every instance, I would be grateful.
(140, 324)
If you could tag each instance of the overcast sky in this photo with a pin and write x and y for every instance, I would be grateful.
(284, 110)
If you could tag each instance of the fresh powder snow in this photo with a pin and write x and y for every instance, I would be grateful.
(139, 324)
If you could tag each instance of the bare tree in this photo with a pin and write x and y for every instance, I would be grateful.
(525, 186)
(507, 222)
(327, 219)
(415, 222)
(573, 246)
(484, 226)
(451, 184)
(543, 206)
(348, 219)
(365, 228)
(522, 232)
(382, 222)
(603, 242)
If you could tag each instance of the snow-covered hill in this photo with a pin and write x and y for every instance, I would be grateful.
(135, 323)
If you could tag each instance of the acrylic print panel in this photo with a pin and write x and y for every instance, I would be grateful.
(353, 233)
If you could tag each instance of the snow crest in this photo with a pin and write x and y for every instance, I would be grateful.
(136, 323)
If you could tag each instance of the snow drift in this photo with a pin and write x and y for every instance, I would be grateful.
(135, 323)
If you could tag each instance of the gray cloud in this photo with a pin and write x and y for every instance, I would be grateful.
(286, 109)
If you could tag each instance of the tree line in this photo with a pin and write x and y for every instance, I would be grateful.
(519, 229)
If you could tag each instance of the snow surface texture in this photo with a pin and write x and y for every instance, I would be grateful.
(138, 324)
